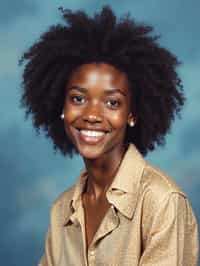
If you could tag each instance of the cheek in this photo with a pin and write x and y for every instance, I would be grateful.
(70, 113)
(118, 119)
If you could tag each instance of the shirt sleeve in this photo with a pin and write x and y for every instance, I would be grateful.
(46, 259)
(173, 237)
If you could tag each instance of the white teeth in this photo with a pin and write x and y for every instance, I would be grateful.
(90, 133)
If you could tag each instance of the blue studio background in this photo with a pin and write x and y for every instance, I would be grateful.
(31, 175)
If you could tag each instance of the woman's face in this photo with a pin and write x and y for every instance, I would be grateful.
(97, 109)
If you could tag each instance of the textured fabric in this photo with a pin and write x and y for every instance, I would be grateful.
(150, 222)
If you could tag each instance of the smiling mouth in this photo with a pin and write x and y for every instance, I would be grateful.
(92, 133)
(91, 136)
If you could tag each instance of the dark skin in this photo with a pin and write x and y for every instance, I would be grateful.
(98, 100)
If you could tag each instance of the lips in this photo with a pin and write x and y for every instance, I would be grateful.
(91, 136)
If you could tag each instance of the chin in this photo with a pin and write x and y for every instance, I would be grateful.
(90, 152)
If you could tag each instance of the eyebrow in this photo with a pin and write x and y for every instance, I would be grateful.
(106, 91)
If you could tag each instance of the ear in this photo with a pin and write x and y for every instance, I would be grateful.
(132, 117)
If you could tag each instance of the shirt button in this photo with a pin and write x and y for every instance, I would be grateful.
(92, 252)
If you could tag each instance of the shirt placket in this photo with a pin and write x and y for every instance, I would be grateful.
(108, 224)
(91, 257)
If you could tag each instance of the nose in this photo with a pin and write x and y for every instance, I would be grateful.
(93, 114)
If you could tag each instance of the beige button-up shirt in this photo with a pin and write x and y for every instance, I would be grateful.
(150, 222)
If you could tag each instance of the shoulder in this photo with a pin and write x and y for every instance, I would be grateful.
(158, 184)
(62, 204)
(159, 191)
(61, 208)
(163, 201)
(65, 196)
(149, 179)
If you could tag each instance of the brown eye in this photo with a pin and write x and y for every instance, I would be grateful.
(77, 99)
(112, 103)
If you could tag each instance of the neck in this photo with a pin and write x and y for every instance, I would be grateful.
(101, 172)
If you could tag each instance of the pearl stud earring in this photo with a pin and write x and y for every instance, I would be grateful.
(62, 116)
(132, 123)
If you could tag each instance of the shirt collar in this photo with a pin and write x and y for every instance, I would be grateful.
(124, 190)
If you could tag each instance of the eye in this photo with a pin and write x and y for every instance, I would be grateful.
(113, 103)
(77, 99)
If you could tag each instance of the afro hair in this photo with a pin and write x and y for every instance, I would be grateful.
(129, 46)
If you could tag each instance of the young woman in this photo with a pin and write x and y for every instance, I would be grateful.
(105, 89)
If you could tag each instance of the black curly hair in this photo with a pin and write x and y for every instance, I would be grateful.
(129, 46)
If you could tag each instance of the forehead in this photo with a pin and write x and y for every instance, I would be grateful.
(101, 73)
